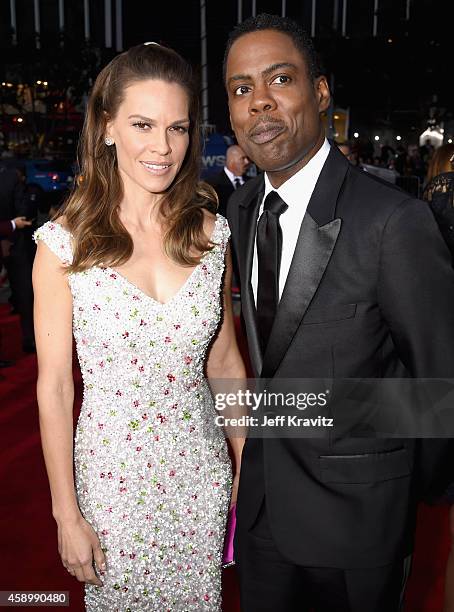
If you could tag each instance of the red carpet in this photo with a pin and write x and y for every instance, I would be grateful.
(29, 555)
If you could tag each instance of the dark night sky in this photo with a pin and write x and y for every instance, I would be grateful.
(380, 81)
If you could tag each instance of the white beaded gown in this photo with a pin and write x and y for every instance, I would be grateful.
(153, 475)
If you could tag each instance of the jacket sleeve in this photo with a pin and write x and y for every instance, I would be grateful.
(6, 229)
(416, 291)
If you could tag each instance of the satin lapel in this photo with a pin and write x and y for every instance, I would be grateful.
(316, 241)
(312, 254)
(248, 214)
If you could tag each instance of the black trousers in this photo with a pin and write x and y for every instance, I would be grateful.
(271, 583)
(19, 268)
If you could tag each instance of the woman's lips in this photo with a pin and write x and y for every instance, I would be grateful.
(157, 169)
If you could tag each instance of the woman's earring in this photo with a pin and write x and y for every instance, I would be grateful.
(109, 141)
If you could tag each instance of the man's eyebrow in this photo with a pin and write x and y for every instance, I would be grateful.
(240, 77)
(264, 73)
(277, 66)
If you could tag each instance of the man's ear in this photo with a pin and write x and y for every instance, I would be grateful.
(323, 94)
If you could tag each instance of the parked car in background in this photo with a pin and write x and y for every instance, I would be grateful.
(47, 174)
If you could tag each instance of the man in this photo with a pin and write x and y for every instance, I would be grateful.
(335, 282)
(231, 176)
(7, 227)
(19, 256)
(6, 231)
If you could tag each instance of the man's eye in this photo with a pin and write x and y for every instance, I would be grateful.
(241, 90)
(141, 125)
(282, 79)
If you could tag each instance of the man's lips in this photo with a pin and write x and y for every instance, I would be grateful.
(266, 132)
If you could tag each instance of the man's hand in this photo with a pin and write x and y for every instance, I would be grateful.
(21, 222)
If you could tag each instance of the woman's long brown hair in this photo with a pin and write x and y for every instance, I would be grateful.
(92, 210)
(440, 161)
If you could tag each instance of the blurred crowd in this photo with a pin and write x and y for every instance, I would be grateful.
(411, 160)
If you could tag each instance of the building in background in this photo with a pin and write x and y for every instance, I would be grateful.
(384, 58)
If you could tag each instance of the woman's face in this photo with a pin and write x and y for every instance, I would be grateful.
(151, 135)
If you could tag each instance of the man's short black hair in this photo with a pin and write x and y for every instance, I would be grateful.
(264, 21)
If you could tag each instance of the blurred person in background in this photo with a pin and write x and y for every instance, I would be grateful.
(414, 162)
(6, 231)
(231, 177)
(439, 191)
(225, 182)
(18, 251)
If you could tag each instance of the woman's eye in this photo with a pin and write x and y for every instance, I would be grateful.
(282, 79)
(181, 129)
(141, 125)
(241, 90)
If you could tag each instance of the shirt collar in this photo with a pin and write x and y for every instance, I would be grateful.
(304, 180)
(232, 176)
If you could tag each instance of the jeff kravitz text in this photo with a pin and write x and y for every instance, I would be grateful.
(281, 420)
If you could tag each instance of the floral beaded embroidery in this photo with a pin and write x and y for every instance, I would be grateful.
(153, 474)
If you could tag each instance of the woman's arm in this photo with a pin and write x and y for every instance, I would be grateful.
(225, 362)
(55, 391)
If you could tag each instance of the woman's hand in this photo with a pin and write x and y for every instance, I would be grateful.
(235, 483)
(78, 545)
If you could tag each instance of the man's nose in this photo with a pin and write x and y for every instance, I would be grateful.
(262, 101)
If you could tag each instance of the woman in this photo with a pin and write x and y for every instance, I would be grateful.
(439, 191)
(140, 289)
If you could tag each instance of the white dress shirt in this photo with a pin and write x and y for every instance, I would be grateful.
(232, 177)
(296, 193)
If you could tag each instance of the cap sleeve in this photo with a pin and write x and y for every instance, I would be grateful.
(221, 232)
(57, 238)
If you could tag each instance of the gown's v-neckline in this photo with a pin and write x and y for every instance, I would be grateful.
(136, 288)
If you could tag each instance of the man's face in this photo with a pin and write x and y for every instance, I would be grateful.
(238, 162)
(274, 105)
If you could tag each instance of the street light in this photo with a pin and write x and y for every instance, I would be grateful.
(356, 135)
(377, 138)
(398, 137)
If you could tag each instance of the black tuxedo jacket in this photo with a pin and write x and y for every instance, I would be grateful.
(11, 194)
(6, 230)
(370, 293)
